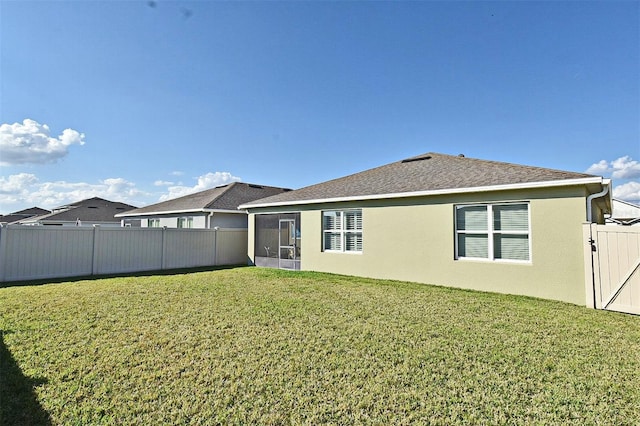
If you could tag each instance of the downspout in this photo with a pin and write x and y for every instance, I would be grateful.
(592, 197)
(209, 219)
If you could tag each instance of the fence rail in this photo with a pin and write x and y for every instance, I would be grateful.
(39, 252)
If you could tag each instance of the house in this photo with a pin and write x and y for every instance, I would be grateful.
(438, 219)
(22, 214)
(624, 213)
(216, 207)
(89, 212)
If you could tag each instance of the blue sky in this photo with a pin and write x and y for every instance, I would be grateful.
(139, 101)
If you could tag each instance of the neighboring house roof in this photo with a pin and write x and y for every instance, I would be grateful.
(222, 198)
(428, 174)
(624, 212)
(23, 214)
(92, 210)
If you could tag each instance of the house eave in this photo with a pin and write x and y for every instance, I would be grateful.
(173, 212)
(491, 188)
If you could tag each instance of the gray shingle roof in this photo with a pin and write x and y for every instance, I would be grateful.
(423, 173)
(94, 209)
(226, 197)
(23, 214)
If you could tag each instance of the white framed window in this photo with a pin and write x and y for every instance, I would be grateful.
(185, 222)
(493, 232)
(153, 223)
(342, 230)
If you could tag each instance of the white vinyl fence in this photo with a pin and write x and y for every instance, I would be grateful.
(612, 261)
(40, 252)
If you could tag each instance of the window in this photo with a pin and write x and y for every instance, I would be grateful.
(493, 231)
(185, 222)
(342, 230)
(153, 223)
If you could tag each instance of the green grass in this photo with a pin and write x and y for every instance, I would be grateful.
(250, 345)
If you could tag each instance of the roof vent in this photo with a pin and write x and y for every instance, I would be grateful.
(255, 186)
(461, 155)
(419, 158)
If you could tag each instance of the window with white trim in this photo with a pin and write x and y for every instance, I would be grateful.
(153, 223)
(342, 230)
(185, 222)
(493, 232)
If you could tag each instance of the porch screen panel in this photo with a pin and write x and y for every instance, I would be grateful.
(266, 243)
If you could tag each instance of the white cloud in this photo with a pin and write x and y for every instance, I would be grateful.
(30, 142)
(16, 184)
(622, 168)
(163, 183)
(25, 190)
(629, 191)
(210, 180)
(625, 168)
(599, 168)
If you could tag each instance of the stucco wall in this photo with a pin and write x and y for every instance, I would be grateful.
(200, 220)
(171, 221)
(413, 240)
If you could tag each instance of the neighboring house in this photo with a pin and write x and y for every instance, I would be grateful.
(624, 213)
(439, 219)
(21, 215)
(89, 212)
(216, 207)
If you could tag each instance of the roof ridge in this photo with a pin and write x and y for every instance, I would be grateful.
(482, 160)
(227, 187)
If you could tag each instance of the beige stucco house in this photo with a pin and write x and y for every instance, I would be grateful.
(438, 219)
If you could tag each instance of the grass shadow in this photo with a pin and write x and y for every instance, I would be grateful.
(18, 402)
(123, 274)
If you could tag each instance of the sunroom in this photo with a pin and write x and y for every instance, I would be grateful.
(277, 240)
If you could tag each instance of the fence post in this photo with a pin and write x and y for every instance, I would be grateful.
(215, 245)
(597, 281)
(3, 252)
(95, 258)
(589, 277)
(163, 260)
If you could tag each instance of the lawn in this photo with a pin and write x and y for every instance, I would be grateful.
(260, 346)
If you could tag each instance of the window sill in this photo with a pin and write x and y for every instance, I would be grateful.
(342, 252)
(498, 261)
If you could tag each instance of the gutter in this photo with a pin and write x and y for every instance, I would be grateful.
(606, 183)
(156, 213)
(527, 185)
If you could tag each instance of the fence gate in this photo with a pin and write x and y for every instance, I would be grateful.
(613, 267)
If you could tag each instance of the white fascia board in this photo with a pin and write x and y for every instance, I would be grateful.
(528, 185)
(187, 211)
